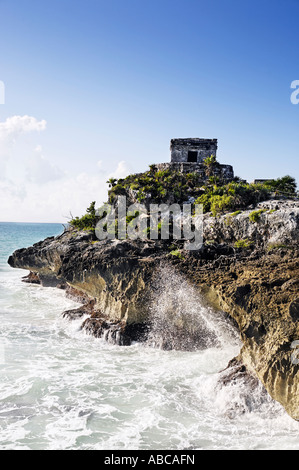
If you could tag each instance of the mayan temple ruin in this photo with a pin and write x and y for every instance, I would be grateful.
(187, 155)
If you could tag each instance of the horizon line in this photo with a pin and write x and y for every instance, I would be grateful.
(14, 222)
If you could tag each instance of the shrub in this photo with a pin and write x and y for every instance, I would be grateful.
(163, 186)
(205, 200)
(278, 246)
(210, 163)
(285, 185)
(134, 186)
(234, 214)
(177, 254)
(220, 204)
(245, 243)
(234, 195)
(87, 221)
(112, 182)
(255, 215)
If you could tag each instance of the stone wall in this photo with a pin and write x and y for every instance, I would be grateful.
(226, 172)
(202, 147)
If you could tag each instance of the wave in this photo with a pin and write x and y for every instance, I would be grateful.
(180, 319)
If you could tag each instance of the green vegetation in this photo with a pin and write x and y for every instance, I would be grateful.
(88, 221)
(278, 246)
(112, 182)
(221, 204)
(254, 216)
(217, 197)
(285, 185)
(231, 196)
(210, 242)
(244, 244)
(210, 165)
(177, 254)
(234, 214)
(158, 186)
(173, 187)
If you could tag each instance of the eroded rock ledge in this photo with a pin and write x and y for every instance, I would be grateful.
(255, 283)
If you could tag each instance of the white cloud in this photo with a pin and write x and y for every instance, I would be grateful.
(121, 171)
(56, 200)
(40, 170)
(15, 126)
(10, 191)
(10, 132)
(34, 189)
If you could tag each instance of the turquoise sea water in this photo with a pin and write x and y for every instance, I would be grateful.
(62, 389)
(21, 235)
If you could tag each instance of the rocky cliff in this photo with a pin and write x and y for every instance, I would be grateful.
(247, 268)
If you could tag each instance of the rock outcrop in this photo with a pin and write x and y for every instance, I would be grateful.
(247, 268)
(257, 285)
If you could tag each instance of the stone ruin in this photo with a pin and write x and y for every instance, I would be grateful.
(192, 150)
(188, 155)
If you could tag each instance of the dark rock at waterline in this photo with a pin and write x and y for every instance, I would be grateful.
(74, 314)
(31, 278)
(79, 312)
(112, 332)
(236, 371)
(245, 392)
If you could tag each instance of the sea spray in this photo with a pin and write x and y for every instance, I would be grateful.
(179, 317)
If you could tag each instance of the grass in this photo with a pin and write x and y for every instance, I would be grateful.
(278, 246)
(255, 216)
(177, 254)
(234, 214)
(244, 244)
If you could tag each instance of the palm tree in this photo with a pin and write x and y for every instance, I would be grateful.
(210, 163)
(286, 185)
(112, 182)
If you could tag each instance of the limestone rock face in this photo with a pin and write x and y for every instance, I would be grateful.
(277, 222)
(255, 284)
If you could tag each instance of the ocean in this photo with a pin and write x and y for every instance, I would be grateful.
(62, 389)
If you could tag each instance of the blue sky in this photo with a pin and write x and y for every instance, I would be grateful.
(98, 88)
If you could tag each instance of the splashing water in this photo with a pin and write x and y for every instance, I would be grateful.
(179, 318)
